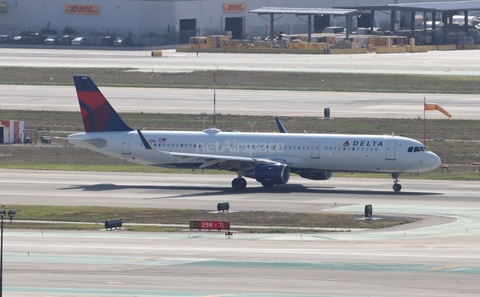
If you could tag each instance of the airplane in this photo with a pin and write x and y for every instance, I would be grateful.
(269, 158)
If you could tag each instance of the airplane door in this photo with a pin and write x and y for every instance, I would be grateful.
(391, 150)
(315, 150)
(126, 144)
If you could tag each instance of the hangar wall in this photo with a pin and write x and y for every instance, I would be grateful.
(142, 17)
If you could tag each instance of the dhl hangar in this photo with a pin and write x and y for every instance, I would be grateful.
(247, 19)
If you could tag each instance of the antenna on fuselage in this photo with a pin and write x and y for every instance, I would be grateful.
(251, 126)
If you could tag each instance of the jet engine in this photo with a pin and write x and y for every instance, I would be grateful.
(272, 174)
(316, 175)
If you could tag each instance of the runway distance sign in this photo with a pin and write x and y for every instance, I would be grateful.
(210, 225)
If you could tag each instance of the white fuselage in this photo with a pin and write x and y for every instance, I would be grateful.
(326, 152)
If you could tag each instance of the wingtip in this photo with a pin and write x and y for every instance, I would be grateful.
(145, 142)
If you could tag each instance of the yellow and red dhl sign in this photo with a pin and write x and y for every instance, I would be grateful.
(234, 7)
(82, 9)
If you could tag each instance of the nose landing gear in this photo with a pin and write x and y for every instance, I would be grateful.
(396, 186)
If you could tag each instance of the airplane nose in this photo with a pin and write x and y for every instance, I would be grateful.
(434, 160)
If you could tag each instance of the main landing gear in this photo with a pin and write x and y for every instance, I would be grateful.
(239, 183)
(396, 186)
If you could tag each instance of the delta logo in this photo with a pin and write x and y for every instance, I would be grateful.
(234, 7)
(364, 143)
(82, 9)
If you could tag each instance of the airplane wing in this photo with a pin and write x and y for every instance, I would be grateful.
(280, 126)
(208, 160)
(98, 142)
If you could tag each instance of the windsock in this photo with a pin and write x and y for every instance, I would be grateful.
(434, 106)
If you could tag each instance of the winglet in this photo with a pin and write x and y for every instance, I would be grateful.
(281, 128)
(147, 144)
(98, 115)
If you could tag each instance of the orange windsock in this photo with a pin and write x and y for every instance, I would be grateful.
(434, 106)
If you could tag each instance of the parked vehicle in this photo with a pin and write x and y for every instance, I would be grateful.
(5, 39)
(51, 40)
(81, 41)
(65, 40)
(107, 40)
(123, 41)
(28, 37)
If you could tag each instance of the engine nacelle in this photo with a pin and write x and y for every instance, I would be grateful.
(316, 175)
(275, 174)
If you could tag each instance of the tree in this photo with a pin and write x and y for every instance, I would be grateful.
(4, 6)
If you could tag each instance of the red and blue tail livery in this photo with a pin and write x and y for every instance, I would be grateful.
(98, 115)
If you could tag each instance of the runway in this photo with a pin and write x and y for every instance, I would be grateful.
(429, 63)
(244, 102)
(437, 256)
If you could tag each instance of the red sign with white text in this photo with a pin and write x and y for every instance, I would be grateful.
(210, 225)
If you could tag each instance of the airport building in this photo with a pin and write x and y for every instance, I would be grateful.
(151, 19)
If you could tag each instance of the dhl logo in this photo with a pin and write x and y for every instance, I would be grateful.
(234, 7)
(82, 9)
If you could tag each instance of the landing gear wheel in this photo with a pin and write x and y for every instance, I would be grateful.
(239, 183)
(267, 184)
(397, 187)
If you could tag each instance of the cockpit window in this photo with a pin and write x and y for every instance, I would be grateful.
(417, 149)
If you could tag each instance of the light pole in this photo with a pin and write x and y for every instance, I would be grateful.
(11, 214)
(203, 118)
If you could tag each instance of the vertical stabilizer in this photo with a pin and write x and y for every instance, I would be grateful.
(98, 115)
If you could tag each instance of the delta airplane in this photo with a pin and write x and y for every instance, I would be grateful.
(269, 158)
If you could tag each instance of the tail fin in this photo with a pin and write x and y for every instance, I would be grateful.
(98, 115)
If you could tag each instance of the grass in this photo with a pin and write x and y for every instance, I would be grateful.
(264, 80)
(459, 150)
(274, 222)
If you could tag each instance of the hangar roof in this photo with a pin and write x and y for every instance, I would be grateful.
(430, 6)
(304, 11)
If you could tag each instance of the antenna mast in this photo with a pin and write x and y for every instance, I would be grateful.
(214, 100)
